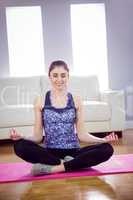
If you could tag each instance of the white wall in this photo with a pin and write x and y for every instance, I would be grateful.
(56, 29)
(57, 35)
(120, 42)
(4, 66)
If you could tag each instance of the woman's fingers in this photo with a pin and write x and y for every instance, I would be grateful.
(115, 136)
(14, 135)
(112, 137)
(13, 132)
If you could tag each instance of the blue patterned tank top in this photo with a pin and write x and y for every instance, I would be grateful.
(59, 124)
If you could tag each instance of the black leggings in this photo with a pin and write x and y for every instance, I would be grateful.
(84, 157)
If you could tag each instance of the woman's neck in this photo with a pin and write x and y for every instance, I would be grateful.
(58, 93)
(58, 98)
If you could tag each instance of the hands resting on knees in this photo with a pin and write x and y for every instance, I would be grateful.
(14, 135)
(111, 137)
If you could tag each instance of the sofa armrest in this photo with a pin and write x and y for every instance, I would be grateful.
(115, 99)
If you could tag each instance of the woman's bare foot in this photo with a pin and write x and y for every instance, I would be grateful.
(41, 169)
(58, 168)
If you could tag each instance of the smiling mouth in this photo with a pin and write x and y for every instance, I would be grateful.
(60, 84)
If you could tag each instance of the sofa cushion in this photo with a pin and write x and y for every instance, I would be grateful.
(19, 90)
(96, 111)
(16, 115)
(45, 84)
(87, 87)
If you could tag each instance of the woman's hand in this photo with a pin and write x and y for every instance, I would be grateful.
(14, 135)
(111, 137)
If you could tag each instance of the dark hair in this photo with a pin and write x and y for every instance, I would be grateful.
(58, 63)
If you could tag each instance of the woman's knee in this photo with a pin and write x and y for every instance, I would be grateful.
(19, 147)
(107, 149)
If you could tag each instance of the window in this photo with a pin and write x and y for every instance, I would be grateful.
(89, 41)
(25, 41)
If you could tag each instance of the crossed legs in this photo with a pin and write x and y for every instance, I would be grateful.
(84, 157)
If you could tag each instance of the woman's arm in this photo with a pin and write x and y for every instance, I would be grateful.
(38, 127)
(83, 135)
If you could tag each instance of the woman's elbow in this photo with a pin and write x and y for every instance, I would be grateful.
(80, 137)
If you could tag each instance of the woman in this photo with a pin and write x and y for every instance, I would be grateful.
(60, 115)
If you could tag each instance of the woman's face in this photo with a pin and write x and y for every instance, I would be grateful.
(59, 78)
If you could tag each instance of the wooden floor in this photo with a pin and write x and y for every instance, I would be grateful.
(109, 187)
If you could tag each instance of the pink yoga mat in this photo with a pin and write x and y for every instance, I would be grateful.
(16, 172)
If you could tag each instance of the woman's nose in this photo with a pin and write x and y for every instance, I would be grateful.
(59, 78)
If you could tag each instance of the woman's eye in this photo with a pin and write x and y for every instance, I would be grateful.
(63, 75)
(55, 75)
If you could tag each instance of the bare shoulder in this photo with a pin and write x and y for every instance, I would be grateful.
(38, 103)
(77, 101)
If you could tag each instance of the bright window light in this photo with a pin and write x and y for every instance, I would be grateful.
(89, 41)
(25, 41)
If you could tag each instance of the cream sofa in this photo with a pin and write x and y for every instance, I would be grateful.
(104, 112)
